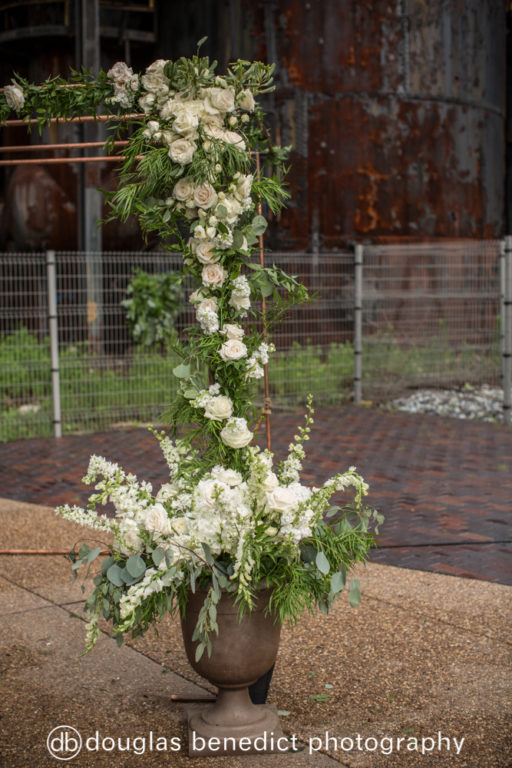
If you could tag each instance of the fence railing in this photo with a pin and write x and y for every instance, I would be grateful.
(387, 319)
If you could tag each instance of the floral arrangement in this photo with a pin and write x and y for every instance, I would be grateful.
(229, 518)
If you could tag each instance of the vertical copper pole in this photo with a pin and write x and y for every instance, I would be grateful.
(266, 407)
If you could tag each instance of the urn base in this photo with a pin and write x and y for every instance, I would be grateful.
(235, 726)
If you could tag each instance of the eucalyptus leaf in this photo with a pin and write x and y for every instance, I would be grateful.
(337, 582)
(199, 651)
(83, 551)
(322, 563)
(259, 225)
(135, 566)
(105, 566)
(93, 554)
(157, 556)
(181, 371)
(114, 575)
(354, 595)
(238, 240)
(221, 211)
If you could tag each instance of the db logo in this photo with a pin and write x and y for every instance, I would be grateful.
(64, 742)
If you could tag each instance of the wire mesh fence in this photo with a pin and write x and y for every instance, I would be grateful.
(430, 316)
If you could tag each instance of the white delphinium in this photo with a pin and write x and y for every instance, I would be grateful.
(137, 593)
(92, 629)
(259, 357)
(207, 318)
(86, 517)
(292, 465)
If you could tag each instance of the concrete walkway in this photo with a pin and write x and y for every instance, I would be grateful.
(422, 664)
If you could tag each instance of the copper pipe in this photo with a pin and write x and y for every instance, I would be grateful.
(266, 408)
(62, 160)
(83, 119)
(42, 552)
(72, 145)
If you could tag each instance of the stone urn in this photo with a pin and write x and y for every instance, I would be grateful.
(241, 653)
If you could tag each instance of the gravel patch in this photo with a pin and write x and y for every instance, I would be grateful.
(484, 403)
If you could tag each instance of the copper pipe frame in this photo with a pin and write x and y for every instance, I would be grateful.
(266, 407)
(42, 552)
(83, 119)
(64, 145)
(62, 160)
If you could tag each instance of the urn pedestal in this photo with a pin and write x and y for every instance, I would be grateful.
(241, 653)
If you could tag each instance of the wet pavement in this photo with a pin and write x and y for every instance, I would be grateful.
(444, 485)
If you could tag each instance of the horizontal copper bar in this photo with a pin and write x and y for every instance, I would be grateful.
(70, 145)
(63, 160)
(83, 119)
(42, 552)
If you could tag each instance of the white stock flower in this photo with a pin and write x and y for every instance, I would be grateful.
(183, 189)
(207, 318)
(14, 96)
(219, 408)
(236, 434)
(121, 74)
(147, 102)
(246, 101)
(205, 252)
(232, 331)
(226, 475)
(156, 519)
(213, 275)
(205, 196)
(243, 187)
(232, 349)
(182, 151)
(128, 536)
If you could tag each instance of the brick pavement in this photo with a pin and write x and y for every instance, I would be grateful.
(444, 485)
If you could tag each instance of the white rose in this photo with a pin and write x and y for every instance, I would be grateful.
(234, 138)
(205, 253)
(156, 519)
(185, 122)
(222, 99)
(197, 296)
(157, 66)
(236, 433)
(281, 499)
(182, 151)
(14, 96)
(233, 349)
(134, 83)
(232, 331)
(154, 82)
(146, 102)
(168, 109)
(219, 408)
(206, 490)
(239, 303)
(183, 189)
(246, 101)
(213, 275)
(270, 482)
(205, 196)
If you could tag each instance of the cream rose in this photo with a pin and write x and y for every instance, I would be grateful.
(185, 122)
(182, 151)
(14, 96)
(155, 82)
(205, 196)
(120, 73)
(179, 525)
(232, 331)
(234, 138)
(205, 253)
(210, 303)
(213, 275)
(219, 408)
(147, 102)
(233, 349)
(246, 101)
(156, 519)
(222, 99)
(183, 189)
(236, 433)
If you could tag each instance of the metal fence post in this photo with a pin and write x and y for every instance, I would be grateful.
(358, 323)
(507, 333)
(54, 340)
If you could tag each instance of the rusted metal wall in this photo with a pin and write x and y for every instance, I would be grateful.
(396, 113)
(395, 110)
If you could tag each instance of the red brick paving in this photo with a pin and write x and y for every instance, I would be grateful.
(444, 485)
